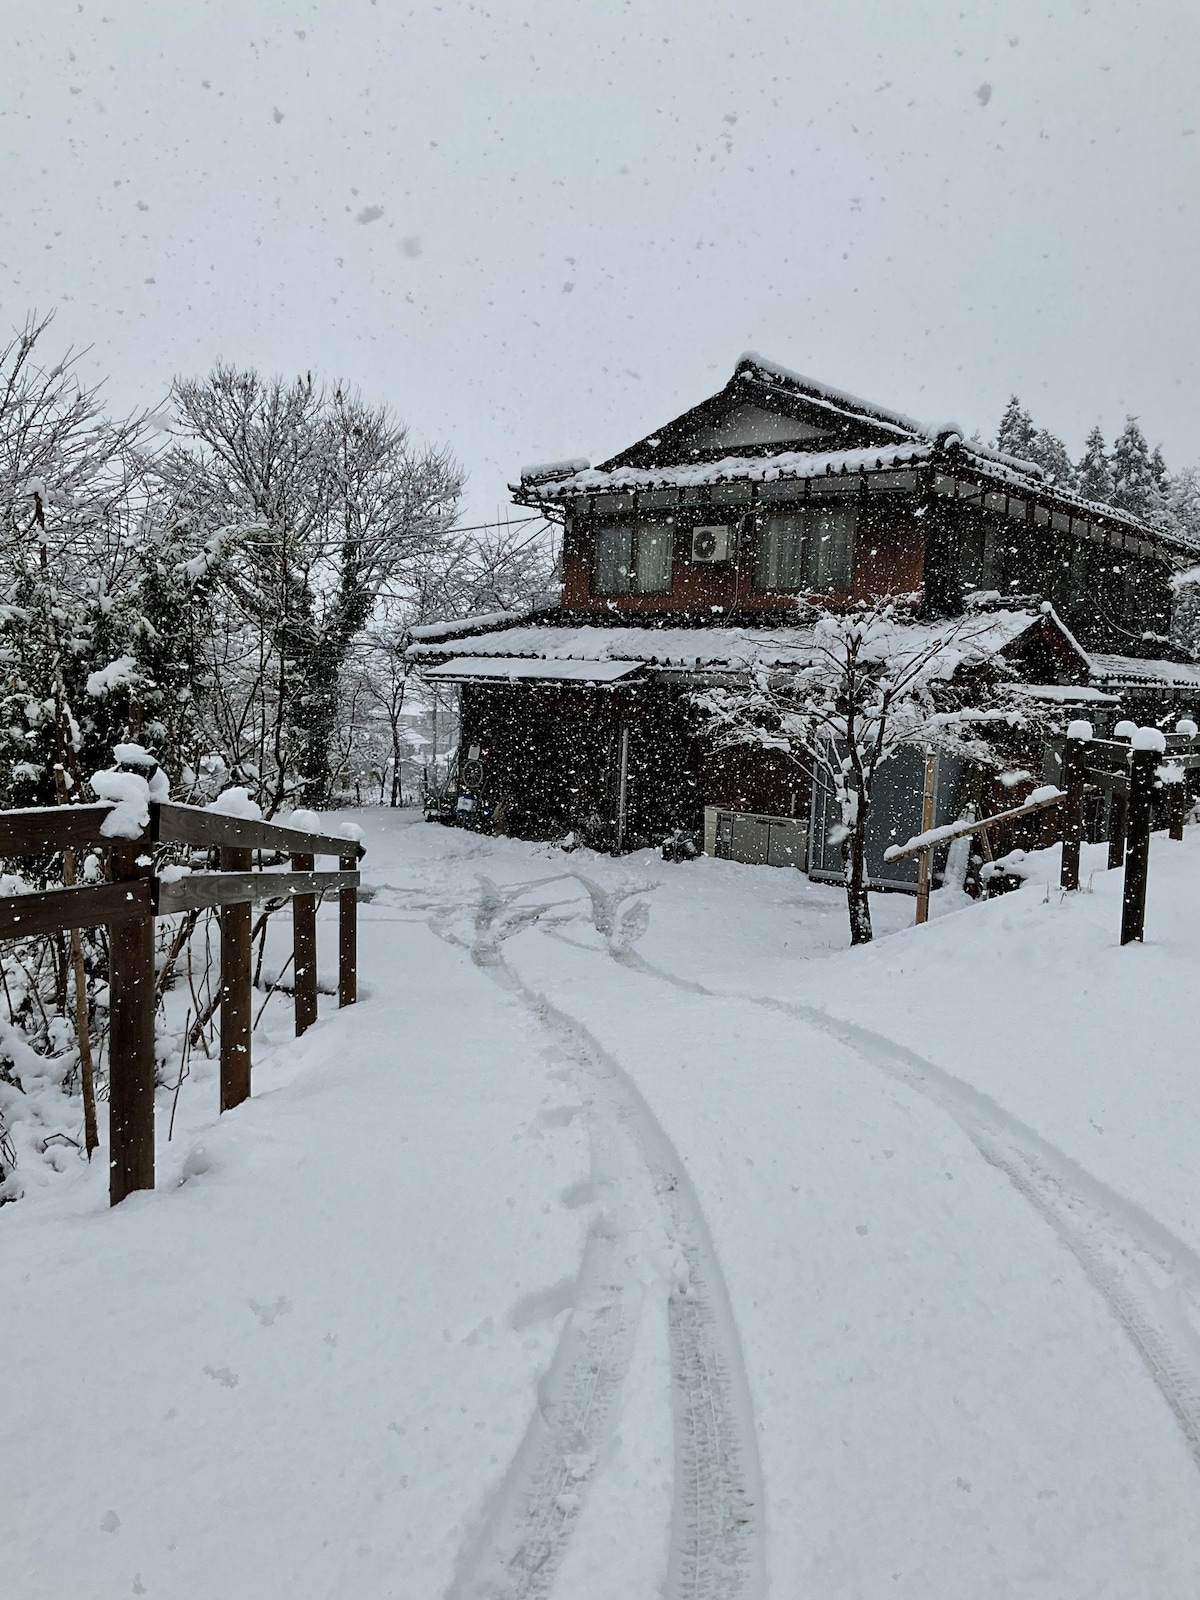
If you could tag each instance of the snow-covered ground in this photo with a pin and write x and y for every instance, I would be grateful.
(633, 1237)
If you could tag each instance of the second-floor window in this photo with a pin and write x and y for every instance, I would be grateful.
(632, 558)
(810, 551)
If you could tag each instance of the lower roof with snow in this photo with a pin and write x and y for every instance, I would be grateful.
(1131, 672)
(592, 654)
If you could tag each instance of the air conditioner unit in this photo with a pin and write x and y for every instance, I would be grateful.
(712, 543)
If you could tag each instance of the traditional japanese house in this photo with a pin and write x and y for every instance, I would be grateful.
(685, 561)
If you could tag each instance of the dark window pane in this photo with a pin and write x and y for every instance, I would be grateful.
(614, 543)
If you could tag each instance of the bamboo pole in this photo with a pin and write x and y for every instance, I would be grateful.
(928, 800)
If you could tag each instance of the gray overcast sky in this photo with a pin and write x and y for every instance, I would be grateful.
(543, 227)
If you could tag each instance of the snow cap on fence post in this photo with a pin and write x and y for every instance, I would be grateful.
(1080, 730)
(1187, 728)
(1125, 730)
(1150, 739)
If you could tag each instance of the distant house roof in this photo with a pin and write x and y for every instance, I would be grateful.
(770, 423)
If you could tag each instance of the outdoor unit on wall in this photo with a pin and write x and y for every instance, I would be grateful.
(712, 544)
(756, 839)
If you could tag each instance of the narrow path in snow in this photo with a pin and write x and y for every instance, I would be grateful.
(716, 1537)
(1123, 1251)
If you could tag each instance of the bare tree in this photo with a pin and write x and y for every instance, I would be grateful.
(869, 682)
(325, 506)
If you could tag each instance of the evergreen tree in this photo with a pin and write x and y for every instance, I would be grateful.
(1048, 451)
(1135, 488)
(1093, 475)
(1016, 433)
(1017, 436)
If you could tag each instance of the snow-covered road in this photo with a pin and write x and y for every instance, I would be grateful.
(633, 1238)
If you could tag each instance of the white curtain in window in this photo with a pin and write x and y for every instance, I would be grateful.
(780, 542)
(829, 548)
(654, 557)
(812, 550)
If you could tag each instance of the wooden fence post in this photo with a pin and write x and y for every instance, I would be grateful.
(1074, 755)
(925, 859)
(1118, 822)
(235, 987)
(1118, 810)
(1137, 850)
(348, 935)
(304, 947)
(1177, 804)
(130, 1035)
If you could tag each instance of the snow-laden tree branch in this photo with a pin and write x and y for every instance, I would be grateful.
(872, 680)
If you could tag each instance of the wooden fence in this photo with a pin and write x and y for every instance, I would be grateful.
(128, 904)
(1126, 777)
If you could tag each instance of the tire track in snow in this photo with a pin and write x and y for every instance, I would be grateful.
(527, 1525)
(716, 1541)
(1115, 1241)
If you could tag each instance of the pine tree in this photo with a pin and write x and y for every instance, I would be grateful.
(1094, 475)
(1048, 451)
(1134, 480)
(1016, 433)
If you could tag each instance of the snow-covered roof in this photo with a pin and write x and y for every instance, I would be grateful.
(1130, 672)
(732, 469)
(482, 619)
(1064, 694)
(728, 649)
(554, 469)
(430, 631)
(840, 399)
(513, 668)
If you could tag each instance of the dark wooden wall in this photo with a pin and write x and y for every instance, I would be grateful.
(889, 559)
(550, 752)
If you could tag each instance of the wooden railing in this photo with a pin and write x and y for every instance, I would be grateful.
(128, 904)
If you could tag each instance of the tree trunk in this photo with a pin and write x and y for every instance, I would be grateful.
(397, 757)
(858, 898)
